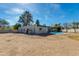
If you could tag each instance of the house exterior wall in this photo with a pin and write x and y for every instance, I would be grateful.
(34, 29)
(41, 30)
(71, 30)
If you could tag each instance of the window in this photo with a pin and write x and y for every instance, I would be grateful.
(40, 29)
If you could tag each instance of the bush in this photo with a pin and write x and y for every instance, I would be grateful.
(16, 26)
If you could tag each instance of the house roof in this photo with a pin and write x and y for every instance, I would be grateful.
(43, 26)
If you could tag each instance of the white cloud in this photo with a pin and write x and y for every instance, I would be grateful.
(12, 20)
(18, 10)
(56, 6)
(24, 4)
(62, 16)
(29, 6)
(15, 11)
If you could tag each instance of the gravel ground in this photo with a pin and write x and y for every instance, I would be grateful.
(13, 44)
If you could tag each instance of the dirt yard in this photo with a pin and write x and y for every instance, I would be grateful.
(13, 44)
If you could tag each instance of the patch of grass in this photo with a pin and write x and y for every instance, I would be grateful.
(74, 37)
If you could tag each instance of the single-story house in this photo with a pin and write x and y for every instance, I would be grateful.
(33, 29)
(70, 30)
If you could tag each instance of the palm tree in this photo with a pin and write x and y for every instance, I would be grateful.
(25, 18)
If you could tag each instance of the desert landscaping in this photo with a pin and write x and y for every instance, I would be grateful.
(15, 44)
(44, 29)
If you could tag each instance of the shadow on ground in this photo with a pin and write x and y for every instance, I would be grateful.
(43, 35)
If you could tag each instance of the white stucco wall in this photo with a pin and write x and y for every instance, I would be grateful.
(70, 30)
(34, 29)
(43, 30)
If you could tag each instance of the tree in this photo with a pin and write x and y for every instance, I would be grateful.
(16, 26)
(37, 22)
(25, 18)
(57, 27)
(4, 22)
(66, 26)
(77, 25)
(74, 24)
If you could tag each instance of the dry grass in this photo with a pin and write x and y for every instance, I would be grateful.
(13, 44)
(74, 36)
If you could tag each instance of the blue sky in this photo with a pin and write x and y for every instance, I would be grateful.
(47, 13)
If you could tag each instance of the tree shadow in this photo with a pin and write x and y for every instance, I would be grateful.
(43, 35)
